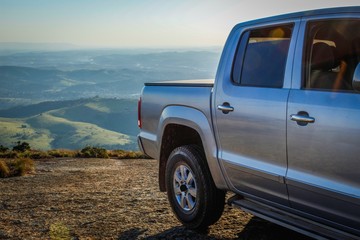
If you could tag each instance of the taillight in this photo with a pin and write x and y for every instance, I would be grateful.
(139, 113)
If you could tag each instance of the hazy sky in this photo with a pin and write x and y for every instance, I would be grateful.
(138, 23)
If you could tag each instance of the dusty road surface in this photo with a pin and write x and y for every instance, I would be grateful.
(108, 199)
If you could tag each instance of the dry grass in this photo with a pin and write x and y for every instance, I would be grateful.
(16, 167)
(122, 154)
(60, 153)
(4, 169)
(18, 163)
(87, 152)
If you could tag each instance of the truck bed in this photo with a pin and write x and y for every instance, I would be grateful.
(181, 96)
(184, 83)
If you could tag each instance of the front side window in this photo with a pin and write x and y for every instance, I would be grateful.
(264, 59)
(332, 51)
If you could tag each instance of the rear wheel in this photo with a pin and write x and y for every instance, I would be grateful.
(192, 194)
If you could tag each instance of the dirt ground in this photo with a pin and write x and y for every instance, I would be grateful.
(108, 199)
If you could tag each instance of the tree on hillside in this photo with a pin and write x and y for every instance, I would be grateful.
(21, 146)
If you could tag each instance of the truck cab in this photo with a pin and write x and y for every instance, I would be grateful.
(282, 129)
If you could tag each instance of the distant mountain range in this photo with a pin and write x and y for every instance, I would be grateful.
(11, 47)
(69, 99)
(42, 76)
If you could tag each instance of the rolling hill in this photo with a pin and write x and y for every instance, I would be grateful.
(108, 123)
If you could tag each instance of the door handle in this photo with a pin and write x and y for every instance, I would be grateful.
(225, 108)
(299, 118)
(302, 118)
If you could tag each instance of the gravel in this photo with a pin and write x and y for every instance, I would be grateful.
(108, 199)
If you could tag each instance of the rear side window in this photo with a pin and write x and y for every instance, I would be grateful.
(261, 57)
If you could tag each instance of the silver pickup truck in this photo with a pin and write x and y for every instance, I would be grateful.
(279, 127)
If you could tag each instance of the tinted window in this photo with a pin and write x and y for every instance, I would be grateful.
(264, 61)
(331, 55)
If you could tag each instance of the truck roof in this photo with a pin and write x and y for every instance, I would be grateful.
(323, 11)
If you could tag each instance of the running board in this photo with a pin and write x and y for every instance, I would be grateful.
(290, 221)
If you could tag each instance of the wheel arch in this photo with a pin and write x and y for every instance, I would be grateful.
(180, 126)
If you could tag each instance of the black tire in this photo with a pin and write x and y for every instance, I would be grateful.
(194, 210)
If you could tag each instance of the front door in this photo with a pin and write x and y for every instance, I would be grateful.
(324, 126)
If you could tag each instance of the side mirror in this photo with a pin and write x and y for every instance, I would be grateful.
(356, 78)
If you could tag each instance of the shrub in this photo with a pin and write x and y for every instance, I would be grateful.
(4, 169)
(93, 152)
(21, 147)
(3, 149)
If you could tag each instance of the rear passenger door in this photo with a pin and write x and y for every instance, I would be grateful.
(323, 126)
(250, 110)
